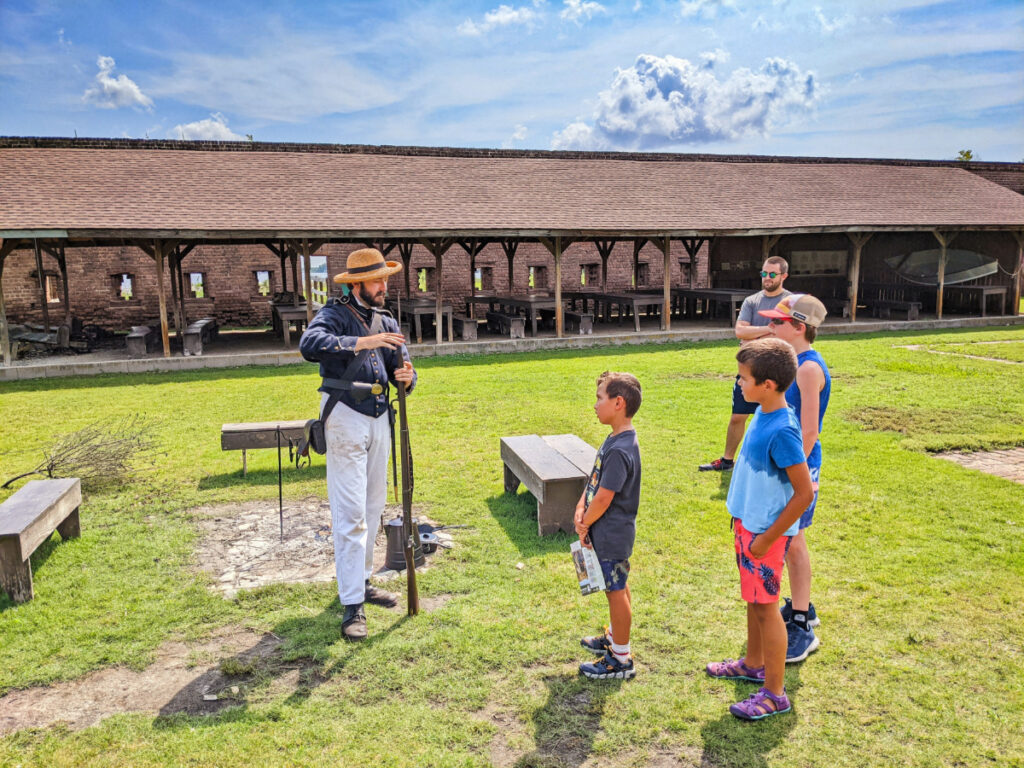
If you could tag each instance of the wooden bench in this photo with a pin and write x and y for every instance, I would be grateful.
(582, 322)
(141, 339)
(502, 324)
(263, 434)
(27, 519)
(465, 326)
(555, 469)
(883, 308)
(197, 334)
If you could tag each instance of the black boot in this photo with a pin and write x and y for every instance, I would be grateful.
(353, 623)
(378, 596)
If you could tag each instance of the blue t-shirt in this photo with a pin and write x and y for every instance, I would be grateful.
(617, 468)
(793, 398)
(760, 487)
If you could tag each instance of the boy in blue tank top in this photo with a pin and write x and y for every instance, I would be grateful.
(795, 320)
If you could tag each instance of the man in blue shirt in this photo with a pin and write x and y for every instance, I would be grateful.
(357, 429)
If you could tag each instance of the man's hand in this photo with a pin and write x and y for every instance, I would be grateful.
(584, 537)
(378, 340)
(406, 372)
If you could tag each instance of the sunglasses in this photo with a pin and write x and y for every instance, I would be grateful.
(772, 275)
(781, 320)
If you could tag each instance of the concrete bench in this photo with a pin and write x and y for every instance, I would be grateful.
(199, 333)
(883, 308)
(581, 322)
(555, 469)
(140, 340)
(466, 327)
(262, 434)
(27, 519)
(503, 324)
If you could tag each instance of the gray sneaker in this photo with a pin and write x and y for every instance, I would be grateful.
(353, 623)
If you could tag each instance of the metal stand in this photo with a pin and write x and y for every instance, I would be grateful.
(280, 490)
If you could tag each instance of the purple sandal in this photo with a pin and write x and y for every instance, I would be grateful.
(762, 704)
(735, 669)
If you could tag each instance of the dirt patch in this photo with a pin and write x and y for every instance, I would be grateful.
(241, 545)
(190, 678)
(1008, 464)
(925, 348)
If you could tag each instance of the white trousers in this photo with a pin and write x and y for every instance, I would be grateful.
(358, 447)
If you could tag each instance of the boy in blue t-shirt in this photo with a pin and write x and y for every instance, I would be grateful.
(770, 488)
(795, 320)
(605, 519)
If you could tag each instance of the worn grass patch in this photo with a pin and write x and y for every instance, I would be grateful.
(918, 576)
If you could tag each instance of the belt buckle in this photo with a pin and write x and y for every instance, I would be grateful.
(376, 389)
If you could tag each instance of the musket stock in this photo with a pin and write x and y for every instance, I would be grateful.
(413, 598)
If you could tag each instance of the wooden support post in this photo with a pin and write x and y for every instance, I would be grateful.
(438, 248)
(510, 247)
(5, 338)
(159, 251)
(559, 319)
(295, 275)
(604, 248)
(175, 294)
(638, 244)
(179, 275)
(859, 239)
(405, 251)
(692, 246)
(42, 285)
(944, 238)
(664, 244)
(1018, 273)
(767, 243)
(307, 265)
(473, 247)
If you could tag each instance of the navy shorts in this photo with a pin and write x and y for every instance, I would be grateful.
(616, 572)
(739, 405)
(808, 516)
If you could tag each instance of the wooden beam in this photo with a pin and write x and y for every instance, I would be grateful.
(42, 285)
(306, 263)
(510, 246)
(944, 238)
(405, 252)
(473, 248)
(177, 301)
(859, 240)
(1019, 272)
(767, 243)
(604, 250)
(638, 244)
(559, 320)
(438, 248)
(159, 249)
(666, 313)
(5, 338)
(295, 275)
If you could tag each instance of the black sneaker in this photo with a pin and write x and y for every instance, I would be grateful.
(787, 613)
(608, 668)
(718, 465)
(353, 623)
(599, 644)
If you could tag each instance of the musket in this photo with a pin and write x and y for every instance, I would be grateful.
(413, 598)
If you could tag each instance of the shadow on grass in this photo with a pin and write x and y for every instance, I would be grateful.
(517, 515)
(287, 656)
(289, 475)
(735, 742)
(724, 478)
(565, 727)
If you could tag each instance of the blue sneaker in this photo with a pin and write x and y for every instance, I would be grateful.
(801, 643)
(608, 668)
(787, 613)
(599, 644)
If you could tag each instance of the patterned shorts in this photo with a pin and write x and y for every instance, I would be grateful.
(759, 579)
(616, 572)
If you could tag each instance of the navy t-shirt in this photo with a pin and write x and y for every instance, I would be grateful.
(617, 468)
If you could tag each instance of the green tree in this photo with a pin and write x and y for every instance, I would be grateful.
(965, 156)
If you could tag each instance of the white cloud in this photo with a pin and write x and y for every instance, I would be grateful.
(519, 134)
(577, 10)
(830, 27)
(705, 9)
(763, 25)
(660, 102)
(637, 5)
(213, 128)
(502, 16)
(113, 92)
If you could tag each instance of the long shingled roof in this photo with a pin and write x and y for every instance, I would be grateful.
(200, 192)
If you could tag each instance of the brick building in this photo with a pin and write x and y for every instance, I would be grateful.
(236, 208)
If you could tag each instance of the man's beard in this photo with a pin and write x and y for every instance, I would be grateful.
(374, 300)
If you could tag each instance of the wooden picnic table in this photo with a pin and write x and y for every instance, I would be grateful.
(283, 315)
(732, 296)
(626, 301)
(416, 308)
(980, 293)
(530, 305)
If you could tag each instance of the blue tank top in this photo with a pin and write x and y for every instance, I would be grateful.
(793, 398)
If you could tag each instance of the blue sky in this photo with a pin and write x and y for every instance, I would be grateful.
(862, 78)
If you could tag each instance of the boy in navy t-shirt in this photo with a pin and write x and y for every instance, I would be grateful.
(605, 519)
(769, 490)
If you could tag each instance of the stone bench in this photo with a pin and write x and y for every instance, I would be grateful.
(465, 326)
(263, 434)
(581, 322)
(555, 469)
(883, 308)
(27, 519)
(197, 334)
(512, 325)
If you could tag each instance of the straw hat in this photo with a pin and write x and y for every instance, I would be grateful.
(367, 264)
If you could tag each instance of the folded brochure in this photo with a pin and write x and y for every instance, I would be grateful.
(588, 569)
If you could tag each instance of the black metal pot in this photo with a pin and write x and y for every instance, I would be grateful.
(395, 532)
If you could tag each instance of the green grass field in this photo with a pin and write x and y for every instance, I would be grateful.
(919, 574)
